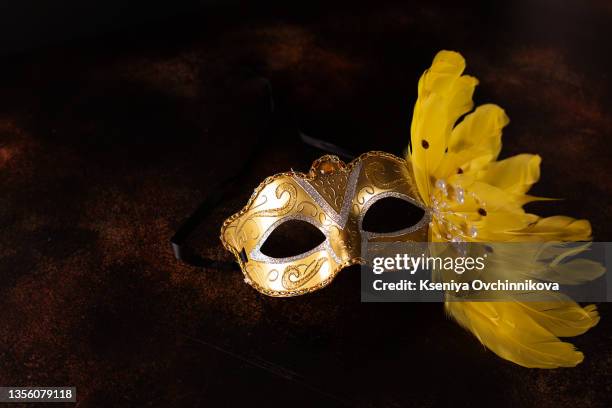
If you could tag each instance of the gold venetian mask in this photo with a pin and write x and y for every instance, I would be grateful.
(468, 195)
(333, 197)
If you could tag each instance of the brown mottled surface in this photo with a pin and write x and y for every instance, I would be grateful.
(106, 144)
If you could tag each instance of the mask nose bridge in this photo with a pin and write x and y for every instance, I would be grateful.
(343, 232)
(346, 239)
(344, 242)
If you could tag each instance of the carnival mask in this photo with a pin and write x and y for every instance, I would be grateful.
(464, 194)
(333, 197)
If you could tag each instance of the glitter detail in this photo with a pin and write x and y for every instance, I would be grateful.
(460, 195)
(423, 221)
(257, 255)
(441, 185)
(341, 218)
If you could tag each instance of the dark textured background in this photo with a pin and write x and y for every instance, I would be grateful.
(108, 141)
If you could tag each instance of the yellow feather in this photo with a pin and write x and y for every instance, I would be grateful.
(443, 96)
(463, 155)
(556, 228)
(474, 142)
(515, 175)
(563, 318)
(505, 329)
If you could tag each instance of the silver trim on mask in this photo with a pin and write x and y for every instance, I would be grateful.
(367, 235)
(338, 219)
(257, 255)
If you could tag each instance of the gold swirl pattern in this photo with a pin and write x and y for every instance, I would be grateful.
(304, 205)
(302, 273)
(360, 199)
(282, 188)
(323, 219)
(332, 188)
(380, 177)
(273, 275)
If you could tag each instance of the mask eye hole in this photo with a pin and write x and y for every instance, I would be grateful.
(391, 214)
(291, 238)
